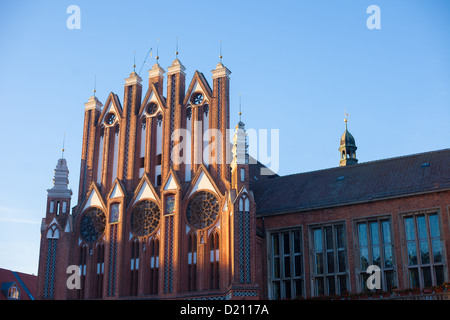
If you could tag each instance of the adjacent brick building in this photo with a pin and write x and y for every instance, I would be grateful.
(147, 225)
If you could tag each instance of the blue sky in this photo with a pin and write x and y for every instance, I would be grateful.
(297, 64)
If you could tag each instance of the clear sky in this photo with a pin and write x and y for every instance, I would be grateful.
(297, 64)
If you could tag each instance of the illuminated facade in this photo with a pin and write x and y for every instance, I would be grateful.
(164, 215)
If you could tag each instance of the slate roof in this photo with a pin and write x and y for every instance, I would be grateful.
(394, 177)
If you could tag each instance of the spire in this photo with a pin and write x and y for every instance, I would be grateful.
(157, 51)
(60, 181)
(177, 66)
(347, 147)
(95, 84)
(240, 145)
(240, 112)
(62, 150)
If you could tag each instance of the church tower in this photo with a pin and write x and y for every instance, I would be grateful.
(56, 236)
(347, 148)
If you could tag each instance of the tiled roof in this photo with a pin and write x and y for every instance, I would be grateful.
(26, 283)
(367, 181)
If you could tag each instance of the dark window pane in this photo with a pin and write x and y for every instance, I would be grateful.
(342, 284)
(298, 265)
(275, 244)
(329, 237)
(319, 286)
(364, 277)
(331, 286)
(340, 237)
(414, 278)
(276, 290)
(297, 242)
(298, 288)
(276, 267)
(319, 263)
(287, 289)
(426, 274)
(341, 260)
(330, 261)
(287, 266)
(286, 243)
(389, 276)
(439, 273)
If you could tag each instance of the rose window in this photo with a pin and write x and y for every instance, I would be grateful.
(92, 224)
(151, 108)
(202, 210)
(110, 118)
(197, 98)
(145, 218)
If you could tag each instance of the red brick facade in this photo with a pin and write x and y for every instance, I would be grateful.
(147, 226)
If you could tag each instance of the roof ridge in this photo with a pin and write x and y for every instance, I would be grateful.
(358, 164)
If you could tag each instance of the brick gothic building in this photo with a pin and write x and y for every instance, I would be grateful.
(211, 226)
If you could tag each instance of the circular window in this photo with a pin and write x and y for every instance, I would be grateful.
(145, 218)
(197, 98)
(110, 118)
(92, 224)
(151, 108)
(202, 210)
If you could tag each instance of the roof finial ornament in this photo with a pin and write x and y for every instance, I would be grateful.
(220, 56)
(176, 52)
(240, 112)
(62, 150)
(134, 61)
(157, 50)
(95, 84)
(345, 119)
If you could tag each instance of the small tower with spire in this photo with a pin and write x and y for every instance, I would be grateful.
(347, 148)
(239, 163)
(56, 236)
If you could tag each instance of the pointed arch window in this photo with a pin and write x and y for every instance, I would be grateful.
(134, 267)
(245, 275)
(82, 258)
(53, 232)
(192, 261)
(98, 287)
(154, 266)
(214, 259)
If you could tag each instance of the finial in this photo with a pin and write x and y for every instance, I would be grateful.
(95, 84)
(220, 56)
(62, 150)
(134, 62)
(176, 52)
(240, 112)
(157, 50)
(345, 119)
